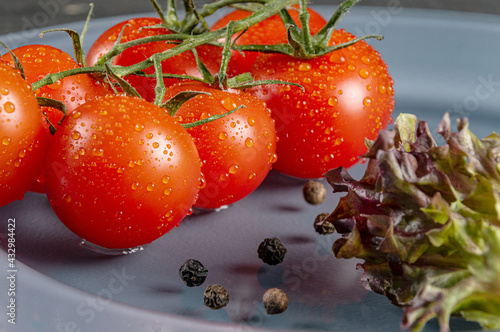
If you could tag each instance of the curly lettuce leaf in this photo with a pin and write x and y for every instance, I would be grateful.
(426, 221)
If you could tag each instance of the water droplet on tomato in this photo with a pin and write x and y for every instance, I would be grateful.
(97, 152)
(139, 127)
(367, 101)
(333, 101)
(6, 140)
(336, 57)
(251, 176)
(67, 198)
(4, 91)
(363, 73)
(135, 186)
(251, 121)
(149, 135)
(17, 162)
(167, 191)
(382, 88)
(249, 142)
(305, 66)
(223, 177)
(228, 104)
(233, 169)
(165, 179)
(156, 145)
(9, 107)
(150, 186)
(351, 67)
(222, 135)
(366, 60)
(75, 135)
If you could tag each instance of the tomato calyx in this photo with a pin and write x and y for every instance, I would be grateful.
(303, 45)
(76, 38)
(59, 105)
(17, 63)
(173, 104)
(185, 43)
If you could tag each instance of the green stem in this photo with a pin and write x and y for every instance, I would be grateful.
(192, 15)
(210, 118)
(53, 78)
(159, 11)
(304, 17)
(211, 8)
(119, 48)
(191, 42)
(324, 35)
(160, 83)
(226, 56)
(77, 44)
(187, 43)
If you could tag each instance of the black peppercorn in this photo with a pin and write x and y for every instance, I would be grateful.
(323, 226)
(314, 192)
(275, 301)
(272, 251)
(215, 297)
(193, 273)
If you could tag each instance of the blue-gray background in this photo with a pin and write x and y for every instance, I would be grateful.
(22, 15)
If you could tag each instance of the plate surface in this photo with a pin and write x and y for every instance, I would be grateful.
(440, 61)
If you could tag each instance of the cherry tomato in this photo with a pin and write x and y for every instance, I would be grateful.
(267, 32)
(120, 172)
(23, 135)
(182, 64)
(237, 150)
(40, 60)
(348, 97)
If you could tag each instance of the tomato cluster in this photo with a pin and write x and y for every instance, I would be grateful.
(122, 169)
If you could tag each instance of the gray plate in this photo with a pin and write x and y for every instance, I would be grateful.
(440, 61)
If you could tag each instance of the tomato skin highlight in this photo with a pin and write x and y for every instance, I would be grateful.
(348, 97)
(267, 32)
(181, 64)
(121, 173)
(237, 150)
(23, 135)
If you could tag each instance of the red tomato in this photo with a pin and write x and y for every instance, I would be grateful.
(120, 172)
(237, 150)
(23, 135)
(40, 60)
(182, 64)
(267, 32)
(348, 97)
